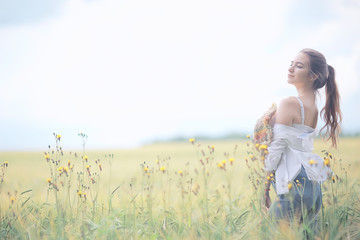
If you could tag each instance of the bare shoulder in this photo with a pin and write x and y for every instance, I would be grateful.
(289, 102)
(287, 110)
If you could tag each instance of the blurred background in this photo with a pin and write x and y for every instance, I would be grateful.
(132, 72)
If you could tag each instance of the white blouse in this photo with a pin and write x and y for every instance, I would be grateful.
(290, 149)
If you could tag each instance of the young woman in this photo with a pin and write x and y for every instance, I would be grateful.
(298, 172)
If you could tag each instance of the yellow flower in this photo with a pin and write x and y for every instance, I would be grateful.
(12, 199)
(327, 162)
(65, 169)
(266, 151)
(6, 163)
(248, 136)
(212, 147)
(85, 158)
(263, 146)
(223, 162)
(251, 156)
(290, 186)
(162, 169)
(48, 180)
(180, 172)
(220, 165)
(262, 158)
(271, 175)
(333, 179)
(79, 193)
(312, 162)
(146, 169)
(268, 178)
(59, 169)
(192, 140)
(47, 156)
(257, 145)
(231, 160)
(58, 136)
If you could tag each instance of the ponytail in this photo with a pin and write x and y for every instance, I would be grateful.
(331, 112)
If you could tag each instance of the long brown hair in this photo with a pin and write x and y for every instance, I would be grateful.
(331, 112)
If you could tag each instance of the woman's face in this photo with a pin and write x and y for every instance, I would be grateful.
(299, 71)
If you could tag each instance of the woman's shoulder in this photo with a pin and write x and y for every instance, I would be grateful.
(288, 102)
(287, 110)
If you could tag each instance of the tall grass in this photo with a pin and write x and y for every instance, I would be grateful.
(178, 191)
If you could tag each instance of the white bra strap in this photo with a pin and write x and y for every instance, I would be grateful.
(302, 111)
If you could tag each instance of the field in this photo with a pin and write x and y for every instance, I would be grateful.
(182, 190)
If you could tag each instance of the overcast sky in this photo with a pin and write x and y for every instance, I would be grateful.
(128, 72)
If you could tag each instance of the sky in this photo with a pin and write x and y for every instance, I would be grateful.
(130, 72)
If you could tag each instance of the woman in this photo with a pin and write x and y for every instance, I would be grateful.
(298, 172)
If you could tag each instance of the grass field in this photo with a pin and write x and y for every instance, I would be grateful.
(166, 190)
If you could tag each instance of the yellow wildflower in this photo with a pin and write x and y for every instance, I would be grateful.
(333, 179)
(192, 140)
(263, 146)
(180, 172)
(79, 193)
(58, 136)
(311, 162)
(162, 169)
(248, 136)
(327, 162)
(223, 162)
(85, 158)
(251, 156)
(59, 169)
(146, 169)
(257, 145)
(87, 167)
(271, 175)
(290, 186)
(48, 180)
(47, 156)
(262, 158)
(220, 165)
(268, 177)
(12, 199)
(6, 163)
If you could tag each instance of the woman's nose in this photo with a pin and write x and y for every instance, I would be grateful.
(291, 69)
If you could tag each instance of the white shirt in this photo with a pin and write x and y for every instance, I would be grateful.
(290, 149)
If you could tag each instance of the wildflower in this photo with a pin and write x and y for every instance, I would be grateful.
(248, 136)
(263, 146)
(69, 162)
(162, 169)
(192, 140)
(100, 167)
(85, 195)
(223, 162)
(290, 186)
(85, 158)
(251, 156)
(213, 147)
(48, 180)
(79, 193)
(6, 163)
(47, 157)
(262, 158)
(271, 175)
(333, 179)
(93, 180)
(157, 161)
(58, 137)
(257, 145)
(266, 151)
(59, 169)
(180, 172)
(231, 160)
(313, 162)
(87, 167)
(327, 162)
(65, 169)
(268, 178)
(146, 169)
(12, 199)
(220, 165)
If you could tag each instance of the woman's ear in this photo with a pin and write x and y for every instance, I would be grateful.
(313, 76)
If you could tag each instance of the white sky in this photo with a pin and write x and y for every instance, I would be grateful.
(127, 72)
